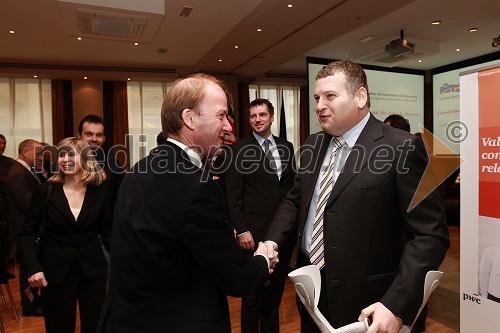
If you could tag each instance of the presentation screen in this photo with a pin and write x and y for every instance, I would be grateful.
(446, 105)
(391, 92)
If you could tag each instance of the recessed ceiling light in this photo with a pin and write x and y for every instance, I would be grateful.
(220, 60)
(259, 30)
(35, 76)
(290, 6)
(365, 39)
(473, 29)
(11, 31)
(437, 22)
(85, 78)
(420, 61)
(236, 46)
(458, 50)
(128, 79)
(136, 43)
(79, 38)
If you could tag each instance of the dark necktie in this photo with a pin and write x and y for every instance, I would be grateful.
(269, 155)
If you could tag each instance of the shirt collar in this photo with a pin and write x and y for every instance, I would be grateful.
(352, 135)
(261, 140)
(26, 165)
(193, 155)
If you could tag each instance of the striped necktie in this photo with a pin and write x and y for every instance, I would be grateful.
(269, 155)
(317, 252)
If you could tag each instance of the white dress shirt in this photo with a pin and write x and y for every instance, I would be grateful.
(489, 272)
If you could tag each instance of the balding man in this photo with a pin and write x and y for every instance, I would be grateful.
(21, 183)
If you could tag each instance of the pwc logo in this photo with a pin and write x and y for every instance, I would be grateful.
(471, 298)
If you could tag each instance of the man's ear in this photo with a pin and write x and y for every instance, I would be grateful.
(187, 118)
(362, 97)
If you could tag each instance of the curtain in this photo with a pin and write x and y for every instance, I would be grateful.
(62, 110)
(25, 111)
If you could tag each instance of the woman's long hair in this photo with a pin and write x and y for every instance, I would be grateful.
(92, 172)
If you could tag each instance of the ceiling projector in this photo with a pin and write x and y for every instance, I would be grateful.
(399, 47)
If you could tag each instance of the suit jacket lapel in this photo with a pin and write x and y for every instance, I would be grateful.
(88, 202)
(59, 200)
(360, 154)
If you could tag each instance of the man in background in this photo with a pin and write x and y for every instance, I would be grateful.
(174, 255)
(260, 174)
(5, 163)
(349, 210)
(21, 183)
(398, 121)
(92, 129)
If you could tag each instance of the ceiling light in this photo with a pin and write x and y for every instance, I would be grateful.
(437, 22)
(365, 39)
(136, 43)
(473, 29)
(236, 46)
(259, 30)
(85, 78)
(128, 79)
(290, 6)
(220, 60)
(79, 38)
(35, 76)
(420, 61)
(186, 11)
(11, 31)
(496, 41)
(458, 50)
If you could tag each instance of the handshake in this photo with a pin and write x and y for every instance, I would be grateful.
(268, 251)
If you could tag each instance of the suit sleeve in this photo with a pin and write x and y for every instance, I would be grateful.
(208, 237)
(107, 218)
(25, 238)
(427, 234)
(234, 185)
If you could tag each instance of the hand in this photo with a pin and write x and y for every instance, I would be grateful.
(246, 241)
(272, 259)
(383, 320)
(37, 280)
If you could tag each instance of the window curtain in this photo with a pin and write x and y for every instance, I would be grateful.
(115, 115)
(144, 109)
(25, 111)
(62, 110)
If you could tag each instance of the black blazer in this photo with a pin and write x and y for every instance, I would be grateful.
(367, 255)
(21, 184)
(174, 257)
(253, 189)
(66, 239)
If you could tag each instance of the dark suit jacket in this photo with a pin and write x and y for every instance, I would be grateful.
(253, 189)
(21, 184)
(5, 163)
(367, 256)
(66, 239)
(174, 257)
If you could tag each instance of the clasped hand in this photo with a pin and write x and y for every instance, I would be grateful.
(37, 280)
(271, 255)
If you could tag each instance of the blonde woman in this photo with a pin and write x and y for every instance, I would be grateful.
(70, 266)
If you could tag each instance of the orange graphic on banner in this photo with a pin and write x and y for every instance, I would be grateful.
(440, 166)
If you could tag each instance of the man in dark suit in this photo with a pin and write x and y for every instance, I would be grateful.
(174, 257)
(355, 229)
(5, 163)
(256, 183)
(21, 183)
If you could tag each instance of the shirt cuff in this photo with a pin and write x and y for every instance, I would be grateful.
(275, 246)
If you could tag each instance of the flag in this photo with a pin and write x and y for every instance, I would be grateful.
(231, 137)
(282, 119)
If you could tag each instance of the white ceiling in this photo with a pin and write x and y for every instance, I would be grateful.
(45, 44)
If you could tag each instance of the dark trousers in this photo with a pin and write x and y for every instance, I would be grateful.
(307, 324)
(260, 309)
(59, 302)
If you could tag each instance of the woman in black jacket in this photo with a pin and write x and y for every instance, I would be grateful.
(70, 266)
